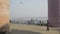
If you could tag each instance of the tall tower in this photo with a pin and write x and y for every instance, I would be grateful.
(4, 12)
(54, 13)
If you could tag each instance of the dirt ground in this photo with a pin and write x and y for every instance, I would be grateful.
(30, 29)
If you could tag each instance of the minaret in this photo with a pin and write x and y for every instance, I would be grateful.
(4, 12)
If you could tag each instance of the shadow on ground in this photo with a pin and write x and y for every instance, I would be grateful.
(15, 31)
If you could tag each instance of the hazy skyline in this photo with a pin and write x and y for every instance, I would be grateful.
(28, 8)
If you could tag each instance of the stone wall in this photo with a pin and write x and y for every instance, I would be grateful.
(54, 12)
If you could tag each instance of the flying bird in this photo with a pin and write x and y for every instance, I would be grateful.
(21, 2)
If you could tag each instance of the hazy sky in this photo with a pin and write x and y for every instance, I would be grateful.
(28, 8)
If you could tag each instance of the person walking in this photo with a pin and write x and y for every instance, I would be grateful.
(47, 25)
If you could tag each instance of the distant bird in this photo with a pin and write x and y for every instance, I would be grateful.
(21, 2)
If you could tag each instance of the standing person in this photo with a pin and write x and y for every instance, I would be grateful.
(40, 22)
(47, 25)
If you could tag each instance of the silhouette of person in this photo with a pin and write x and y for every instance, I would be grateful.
(47, 25)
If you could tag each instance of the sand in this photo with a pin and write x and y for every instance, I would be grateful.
(30, 29)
